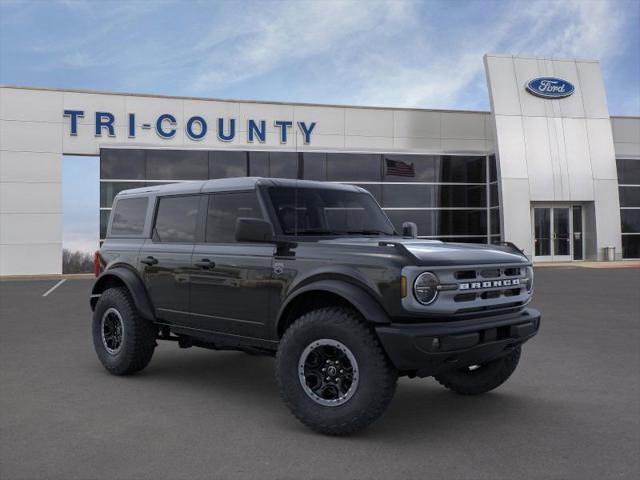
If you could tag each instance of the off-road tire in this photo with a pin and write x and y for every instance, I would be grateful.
(377, 376)
(489, 376)
(139, 338)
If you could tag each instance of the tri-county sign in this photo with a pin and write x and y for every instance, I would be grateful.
(550, 87)
(196, 127)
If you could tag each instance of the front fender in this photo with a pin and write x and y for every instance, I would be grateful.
(134, 284)
(368, 306)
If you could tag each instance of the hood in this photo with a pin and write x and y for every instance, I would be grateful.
(436, 253)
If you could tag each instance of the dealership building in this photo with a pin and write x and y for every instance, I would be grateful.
(547, 168)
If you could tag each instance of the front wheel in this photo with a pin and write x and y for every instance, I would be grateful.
(332, 372)
(477, 379)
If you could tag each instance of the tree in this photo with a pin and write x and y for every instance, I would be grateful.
(76, 262)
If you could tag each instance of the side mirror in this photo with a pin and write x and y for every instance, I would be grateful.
(409, 229)
(253, 230)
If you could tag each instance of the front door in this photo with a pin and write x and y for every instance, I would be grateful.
(557, 232)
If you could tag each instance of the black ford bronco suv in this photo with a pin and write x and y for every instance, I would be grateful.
(315, 274)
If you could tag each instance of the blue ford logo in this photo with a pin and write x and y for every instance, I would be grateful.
(550, 87)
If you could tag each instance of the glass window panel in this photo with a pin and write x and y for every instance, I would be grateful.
(494, 199)
(630, 221)
(630, 246)
(494, 215)
(108, 191)
(375, 190)
(314, 166)
(352, 167)
(224, 209)
(122, 164)
(128, 216)
(471, 196)
(258, 164)
(177, 165)
(461, 169)
(283, 165)
(577, 232)
(410, 168)
(442, 222)
(227, 164)
(176, 219)
(459, 222)
(405, 196)
(629, 196)
(493, 168)
(628, 171)
(434, 196)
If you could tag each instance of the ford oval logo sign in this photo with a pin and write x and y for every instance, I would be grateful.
(550, 87)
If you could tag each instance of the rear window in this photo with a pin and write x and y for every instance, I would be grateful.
(128, 216)
(176, 219)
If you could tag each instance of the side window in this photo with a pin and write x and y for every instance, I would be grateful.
(224, 210)
(128, 216)
(176, 219)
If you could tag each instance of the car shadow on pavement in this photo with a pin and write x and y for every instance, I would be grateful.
(420, 408)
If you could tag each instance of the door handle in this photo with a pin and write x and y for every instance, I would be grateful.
(205, 263)
(149, 260)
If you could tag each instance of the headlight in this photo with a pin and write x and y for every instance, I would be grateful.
(425, 288)
(529, 276)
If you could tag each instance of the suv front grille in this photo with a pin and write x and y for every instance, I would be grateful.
(480, 288)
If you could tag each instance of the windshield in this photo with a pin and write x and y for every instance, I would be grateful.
(318, 211)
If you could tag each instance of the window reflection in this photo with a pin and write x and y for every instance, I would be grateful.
(445, 195)
(225, 164)
(177, 165)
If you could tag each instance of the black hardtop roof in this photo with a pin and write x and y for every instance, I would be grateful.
(231, 184)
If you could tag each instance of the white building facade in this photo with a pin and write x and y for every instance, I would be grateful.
(547, 168)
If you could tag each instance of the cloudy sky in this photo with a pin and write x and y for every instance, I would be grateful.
(392, 53)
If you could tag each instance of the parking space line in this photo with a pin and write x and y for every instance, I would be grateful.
(54, 287)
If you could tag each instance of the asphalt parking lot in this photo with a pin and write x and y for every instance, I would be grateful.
(571, 410)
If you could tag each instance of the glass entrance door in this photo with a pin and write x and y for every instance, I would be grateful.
(561, 234)
(542, 233)
(557, 233)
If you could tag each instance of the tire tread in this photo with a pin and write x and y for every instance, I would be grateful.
(140, 344)
(343, 317)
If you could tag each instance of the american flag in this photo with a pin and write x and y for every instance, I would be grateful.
(399, 168)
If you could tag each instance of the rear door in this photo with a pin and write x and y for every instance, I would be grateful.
(230, 291)
(166, 257)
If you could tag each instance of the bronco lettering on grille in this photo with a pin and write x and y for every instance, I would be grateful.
(489, 284)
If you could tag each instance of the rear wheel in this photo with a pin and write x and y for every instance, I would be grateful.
(477, 379)
(332, 372)
(123, 340)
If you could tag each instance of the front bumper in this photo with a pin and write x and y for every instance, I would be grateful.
(430, 348)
